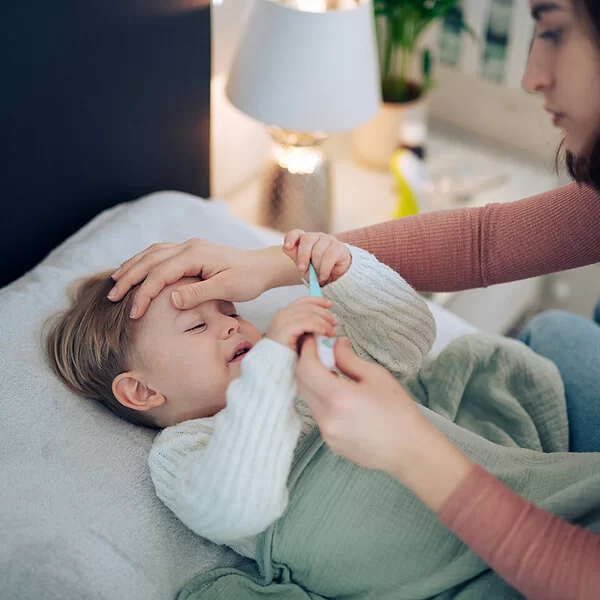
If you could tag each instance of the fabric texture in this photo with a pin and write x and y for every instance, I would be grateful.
(80, 517)
(476, 247)
(353, 533)
(572, 343)
(225, 477)
(535, 551)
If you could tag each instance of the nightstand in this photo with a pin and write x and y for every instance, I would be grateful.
(364, 197)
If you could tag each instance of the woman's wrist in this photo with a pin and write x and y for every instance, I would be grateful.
(433, 468)
(278, 269)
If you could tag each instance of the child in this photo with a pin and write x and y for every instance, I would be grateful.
(236, 438)
(224, 395)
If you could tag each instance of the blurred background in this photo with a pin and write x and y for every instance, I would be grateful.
(474, 137)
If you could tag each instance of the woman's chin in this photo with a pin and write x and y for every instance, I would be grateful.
(576, 145)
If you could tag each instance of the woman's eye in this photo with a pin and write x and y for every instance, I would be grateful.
(551, 35)
(198, 327)
(234, 316)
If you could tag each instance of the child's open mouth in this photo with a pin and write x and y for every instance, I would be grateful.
(240, 351)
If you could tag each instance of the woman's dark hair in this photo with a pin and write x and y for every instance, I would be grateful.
(586, 169)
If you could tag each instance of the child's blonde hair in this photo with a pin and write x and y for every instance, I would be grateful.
(92, 342)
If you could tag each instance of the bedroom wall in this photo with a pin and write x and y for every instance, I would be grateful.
(239, 145)
(481, 93)
(101, 102)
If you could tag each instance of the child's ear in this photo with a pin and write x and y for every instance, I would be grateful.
(131, 392)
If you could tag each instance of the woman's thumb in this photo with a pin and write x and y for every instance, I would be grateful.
(348, 362)
(193, 294)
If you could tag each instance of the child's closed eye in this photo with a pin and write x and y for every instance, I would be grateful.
(202, 326)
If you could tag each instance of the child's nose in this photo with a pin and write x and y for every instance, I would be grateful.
(230, 326)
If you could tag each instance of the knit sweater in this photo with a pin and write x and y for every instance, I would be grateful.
(541, 555)
(225, 477)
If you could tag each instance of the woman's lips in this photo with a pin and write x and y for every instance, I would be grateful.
(557, 119)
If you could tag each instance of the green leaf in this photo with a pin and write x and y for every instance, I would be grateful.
(427, 69)
(405, 23)
(426, 63)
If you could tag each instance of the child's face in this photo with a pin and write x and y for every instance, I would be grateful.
(188, 355)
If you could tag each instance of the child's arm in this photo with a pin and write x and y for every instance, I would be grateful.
(384, 318)
(225, 478)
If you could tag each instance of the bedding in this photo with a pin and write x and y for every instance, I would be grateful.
(79, 515)
(352, 533)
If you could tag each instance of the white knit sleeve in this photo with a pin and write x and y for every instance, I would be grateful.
(225, 477)
(384, 318)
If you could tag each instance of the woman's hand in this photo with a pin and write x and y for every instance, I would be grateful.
(230, 273)
(330, 257)
(373, 421)
(305, 315)
(369, 419)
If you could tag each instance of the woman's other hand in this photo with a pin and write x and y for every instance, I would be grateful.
(330, 257)
(231, 274)
(373, 421)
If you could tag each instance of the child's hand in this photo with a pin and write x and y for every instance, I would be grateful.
(305, 315)
(330, 257)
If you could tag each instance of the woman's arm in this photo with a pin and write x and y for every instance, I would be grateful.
(539, 554)
(467, 248)
(225, 478)
(536, 552)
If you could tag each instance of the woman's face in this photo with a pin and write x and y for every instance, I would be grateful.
(564, 66)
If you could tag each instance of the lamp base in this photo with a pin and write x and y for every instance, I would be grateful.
(297, 185)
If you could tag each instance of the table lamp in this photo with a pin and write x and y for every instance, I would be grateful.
(305, 68)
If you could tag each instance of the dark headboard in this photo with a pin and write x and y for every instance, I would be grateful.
(101, 101)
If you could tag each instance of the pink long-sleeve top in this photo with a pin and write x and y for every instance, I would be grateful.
(542, 556)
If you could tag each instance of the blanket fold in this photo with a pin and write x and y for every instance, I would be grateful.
(354, 534)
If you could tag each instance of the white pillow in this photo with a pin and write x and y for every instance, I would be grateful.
(79, 515)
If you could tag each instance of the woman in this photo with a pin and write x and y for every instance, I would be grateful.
(539, 554)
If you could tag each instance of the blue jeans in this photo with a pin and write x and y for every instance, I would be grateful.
(573, 344)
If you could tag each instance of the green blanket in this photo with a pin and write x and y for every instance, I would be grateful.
(357, 534)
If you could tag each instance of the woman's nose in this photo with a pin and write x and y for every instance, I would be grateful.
(537, 78)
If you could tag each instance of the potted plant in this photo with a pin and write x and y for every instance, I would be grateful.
(400, 26)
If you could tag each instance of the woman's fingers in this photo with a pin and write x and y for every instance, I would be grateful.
(124, 267)
(138, 268)
(192, 294)
(313, 376)
(349, 363)
(155, 282)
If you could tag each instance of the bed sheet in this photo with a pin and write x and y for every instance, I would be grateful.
(79, 515)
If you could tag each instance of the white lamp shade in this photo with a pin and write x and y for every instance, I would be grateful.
(307, 71)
